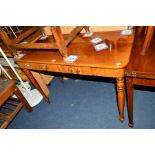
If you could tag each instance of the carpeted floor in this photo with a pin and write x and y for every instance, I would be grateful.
(86, 104)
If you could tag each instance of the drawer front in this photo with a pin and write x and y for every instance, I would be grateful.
(75, 70)
(107, 72)
(42, 67)
(28, 65)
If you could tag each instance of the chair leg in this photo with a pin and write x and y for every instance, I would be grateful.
(87, 29)
(140, 29)
(148, 38)
(129, 84)
(41, 82)
(56, 30)
(61, 79)
(33, 80)
(22, 99)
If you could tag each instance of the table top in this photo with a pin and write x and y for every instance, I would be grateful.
(139, 63)
(117, 57)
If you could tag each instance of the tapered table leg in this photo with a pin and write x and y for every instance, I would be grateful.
(33, 80)
(129, 85)
(120, 95)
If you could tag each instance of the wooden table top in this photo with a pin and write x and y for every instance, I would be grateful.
(118, 57)
(139, 63)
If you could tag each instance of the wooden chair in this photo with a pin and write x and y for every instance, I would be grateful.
(141, 68)
(9, 106)
(149, 33)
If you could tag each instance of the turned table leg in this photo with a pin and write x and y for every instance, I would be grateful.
(33, 80)
(120, 95)
(129, 85)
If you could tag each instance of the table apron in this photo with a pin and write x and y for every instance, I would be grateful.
(81, 70)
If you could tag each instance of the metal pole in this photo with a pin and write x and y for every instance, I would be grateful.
(7, 74)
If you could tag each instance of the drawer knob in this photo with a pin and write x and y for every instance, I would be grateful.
(70, 70)
(28, 65)
(78, 70)
(44, 67)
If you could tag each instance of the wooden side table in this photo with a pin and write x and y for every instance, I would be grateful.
(106, 63)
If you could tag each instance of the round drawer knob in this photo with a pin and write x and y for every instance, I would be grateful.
(44, 67)
(70, 70)
(78, 70)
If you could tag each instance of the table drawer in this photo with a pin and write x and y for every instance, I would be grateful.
(107, 72)
(28, 65)
(74, 70)
(43, 67)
